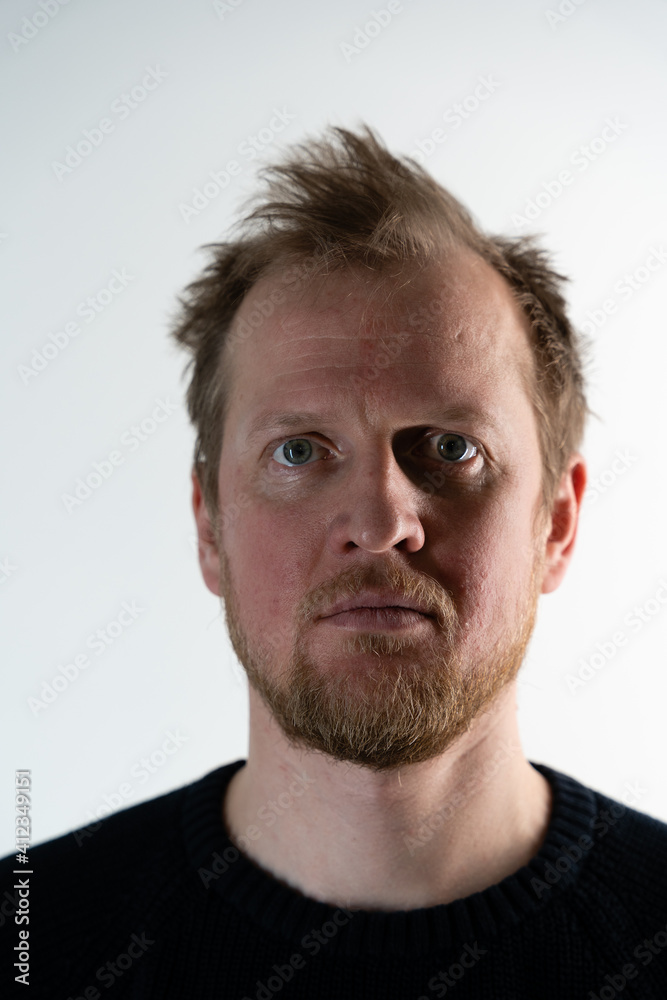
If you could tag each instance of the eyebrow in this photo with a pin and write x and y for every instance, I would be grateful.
(298, 421)
(286, 421)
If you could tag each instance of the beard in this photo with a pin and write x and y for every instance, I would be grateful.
(407, 703)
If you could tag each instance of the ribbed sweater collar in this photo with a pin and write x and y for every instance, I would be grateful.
(286, 914)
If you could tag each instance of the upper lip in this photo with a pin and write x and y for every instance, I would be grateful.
(377, 599)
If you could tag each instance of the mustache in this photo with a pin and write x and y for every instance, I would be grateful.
(436, 600)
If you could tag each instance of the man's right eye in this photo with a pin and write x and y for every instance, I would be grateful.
(295, 451)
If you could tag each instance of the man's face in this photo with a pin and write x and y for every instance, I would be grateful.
(380, 438)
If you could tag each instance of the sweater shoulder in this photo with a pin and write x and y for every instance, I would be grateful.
(643, 835)
(110, 849)
(628, 861)
(96, 890)
(96, 872)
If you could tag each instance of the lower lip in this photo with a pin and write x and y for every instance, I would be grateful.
(378, 619)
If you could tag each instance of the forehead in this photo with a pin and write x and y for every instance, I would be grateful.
(451, 332)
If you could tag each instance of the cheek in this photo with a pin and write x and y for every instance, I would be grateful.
(268, 555)
(491, 566)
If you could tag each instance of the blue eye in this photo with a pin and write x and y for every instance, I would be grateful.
(296, 451)
(455, 447)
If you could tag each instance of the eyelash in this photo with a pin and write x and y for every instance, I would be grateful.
(462, 462)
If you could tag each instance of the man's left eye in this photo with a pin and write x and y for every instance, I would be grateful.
(296, 451)
(453, 448)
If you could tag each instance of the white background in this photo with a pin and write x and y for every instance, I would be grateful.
(555, 84)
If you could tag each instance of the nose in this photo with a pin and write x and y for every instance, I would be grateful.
(378, 508)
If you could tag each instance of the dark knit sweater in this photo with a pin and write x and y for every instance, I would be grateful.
(155, 902)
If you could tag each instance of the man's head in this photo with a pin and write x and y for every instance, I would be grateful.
(384, 431)
(345, 201)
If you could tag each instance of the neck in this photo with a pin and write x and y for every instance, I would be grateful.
(418, 836)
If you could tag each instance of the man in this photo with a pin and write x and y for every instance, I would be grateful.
(389, 406)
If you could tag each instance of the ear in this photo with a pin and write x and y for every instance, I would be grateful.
(564, 520)
(209, 559)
